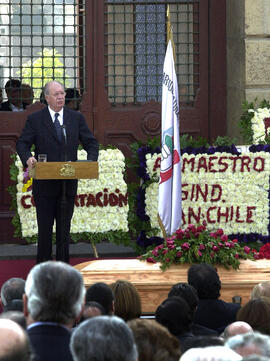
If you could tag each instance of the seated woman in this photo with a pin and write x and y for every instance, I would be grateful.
(256, 313)
(127, 301)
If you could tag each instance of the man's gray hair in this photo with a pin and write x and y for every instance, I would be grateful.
(250, 341)
(12, 289)
(103, 338)
(48, 85)
(55, 292)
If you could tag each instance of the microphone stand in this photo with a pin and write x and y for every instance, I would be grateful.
(64, 248)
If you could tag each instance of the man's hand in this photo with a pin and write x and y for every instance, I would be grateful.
(31, 162)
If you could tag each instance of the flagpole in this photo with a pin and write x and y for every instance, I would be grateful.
(169, 31)
(161, 225)
(170, 200)
(169, 37)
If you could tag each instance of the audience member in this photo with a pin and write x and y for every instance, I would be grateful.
(127, 301)
(256, 313)
(42, 98)
(100, 292)
(236, 328)
(261, 289)
(73, 99)
(250, 343)
(189, 293)
(14, 342)
(92, 309)
(174, 313)
(53, 302)
(14, 102)
(12, 294)
(203, 341)
(211, 312)
(16, 316)
(27, 94)
(154, 341)
(211, 353)
(103, 338)
(255, 358)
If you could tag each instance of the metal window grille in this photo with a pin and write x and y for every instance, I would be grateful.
(135, 46)
(42, 40)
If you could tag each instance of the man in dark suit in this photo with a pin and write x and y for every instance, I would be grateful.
(13, 89)
(212, 312)
(55, 131)
(53, 303)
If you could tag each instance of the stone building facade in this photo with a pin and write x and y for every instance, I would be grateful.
(248, 57)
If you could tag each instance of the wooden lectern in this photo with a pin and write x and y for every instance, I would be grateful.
(65, 170)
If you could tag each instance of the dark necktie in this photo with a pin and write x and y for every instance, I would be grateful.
(57, 126)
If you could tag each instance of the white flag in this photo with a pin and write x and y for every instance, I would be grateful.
(170, 192)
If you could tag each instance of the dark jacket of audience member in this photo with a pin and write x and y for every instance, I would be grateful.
(127, 301)
(189, 293)
(174, 313)
(211, 312)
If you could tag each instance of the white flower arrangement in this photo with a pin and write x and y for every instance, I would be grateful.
(86, 218)
(235, 200)
(257, 123)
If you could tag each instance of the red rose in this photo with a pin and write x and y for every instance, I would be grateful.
(185, 246)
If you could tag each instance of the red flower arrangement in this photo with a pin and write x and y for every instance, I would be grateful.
(196, 244)
(264, 251)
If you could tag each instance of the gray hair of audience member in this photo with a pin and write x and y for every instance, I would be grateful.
(261, 289)
(12, 289)
(103, 338)
(15, 316)
(250, 343)
(55, 292)
(236, 328)
(14, 342)
(211, 353)
(255, 358)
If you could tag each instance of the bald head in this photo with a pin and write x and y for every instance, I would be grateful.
(14, 343)
(237, 328)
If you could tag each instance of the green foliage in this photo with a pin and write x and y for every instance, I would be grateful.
(187, 140)
(245, 120)
(108, 146)
(224, 141)
(48, 66)
(198, 245)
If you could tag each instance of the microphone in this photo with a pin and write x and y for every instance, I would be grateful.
(65, 139)
(64, 133)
